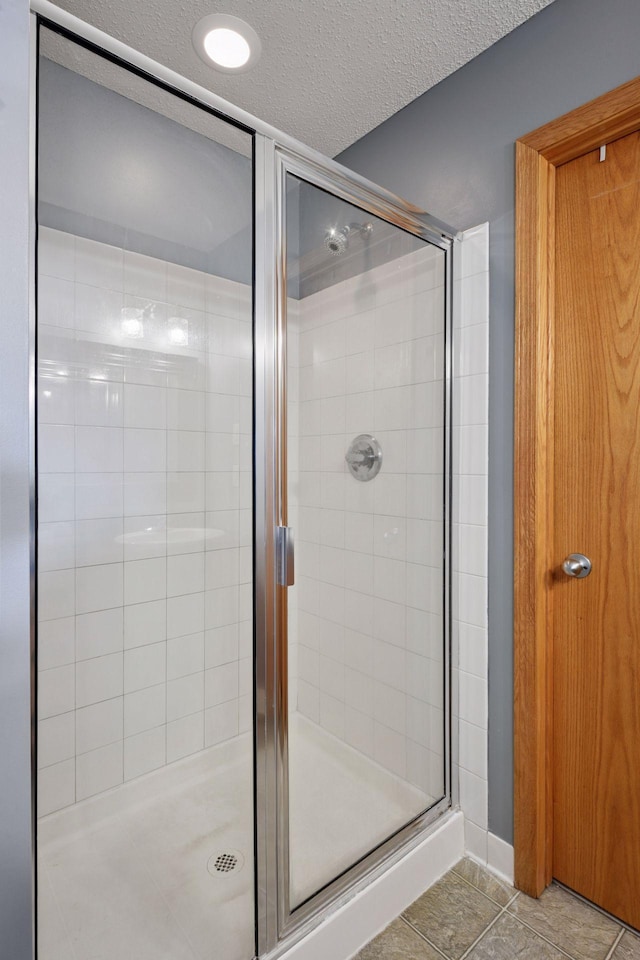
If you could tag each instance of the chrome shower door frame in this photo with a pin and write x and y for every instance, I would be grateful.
(276, 154)
(279, 925)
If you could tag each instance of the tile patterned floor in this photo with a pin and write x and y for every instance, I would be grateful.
(471, 915)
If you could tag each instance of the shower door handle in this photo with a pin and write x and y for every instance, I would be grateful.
(285, 557)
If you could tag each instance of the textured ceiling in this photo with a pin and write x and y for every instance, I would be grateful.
(331, 70)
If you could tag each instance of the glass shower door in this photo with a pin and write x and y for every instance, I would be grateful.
(367, 494)
(144, 421)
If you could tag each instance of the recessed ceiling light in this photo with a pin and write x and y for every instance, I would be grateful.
(226, 43)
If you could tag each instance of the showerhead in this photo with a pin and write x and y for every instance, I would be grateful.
(336, 239)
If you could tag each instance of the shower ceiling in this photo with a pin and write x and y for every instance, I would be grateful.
(331, 70)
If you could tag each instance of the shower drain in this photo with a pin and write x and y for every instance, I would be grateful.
(228, 861)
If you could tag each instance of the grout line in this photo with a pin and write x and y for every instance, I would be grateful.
(594, 906)
(422, 936)
(540, 935)
(469, 883)
(505, 910)
(614, 945)
(485, 931)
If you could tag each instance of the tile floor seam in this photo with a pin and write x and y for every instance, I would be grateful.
(615, 944)
(562, 950)
(501, 909)
(475, 943)
(478, 890)
(426, 939)
(598, 909)
(507, 914)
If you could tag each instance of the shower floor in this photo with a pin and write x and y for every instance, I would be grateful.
(131, 874)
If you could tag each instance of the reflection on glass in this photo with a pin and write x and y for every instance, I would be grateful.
(145, 832)
(365, 340)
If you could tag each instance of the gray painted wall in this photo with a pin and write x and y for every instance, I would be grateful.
(15, 733)
(452, 151)
(115, 171)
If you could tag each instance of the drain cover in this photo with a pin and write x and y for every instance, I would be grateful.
(228, 861)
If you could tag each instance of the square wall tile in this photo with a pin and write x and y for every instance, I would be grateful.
(56, 643)
(99, 449)
(145, 623)
(145, 537)
(56, 787)
(185, 615)
(145, 276)
(144, 752)
(98, 495)
(56, 594)
(221, 645)
(98, 725)
(145, 580)
(145, 407)
(185, 736)
(144, 709)
(145, 450)
(473, 798)
(56, 546)
(185, 655)
(56, 739)
(99, 541)
(56, 398)
(221, 722)
(99, 770)
(185, 695)
(145, 493)
(99, 403)
(99, 264)
(56, 448)
(98, 679)
(99, 633)
(145, 667)
(56, 301)
(186, 411)
(221, 684)
(99, 587)
(56, 497)
(56, 253)
(185, 574)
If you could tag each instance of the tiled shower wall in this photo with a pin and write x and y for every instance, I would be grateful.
(144, 461)
(369, 555)
(137, 666)
(469, 547)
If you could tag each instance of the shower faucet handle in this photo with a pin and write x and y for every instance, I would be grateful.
(364, 457)
(354, 458)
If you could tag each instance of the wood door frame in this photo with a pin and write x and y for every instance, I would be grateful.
(600, 121)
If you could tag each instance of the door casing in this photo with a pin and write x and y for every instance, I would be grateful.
(538, 154)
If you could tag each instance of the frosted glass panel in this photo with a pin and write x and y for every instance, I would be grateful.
(365, 340)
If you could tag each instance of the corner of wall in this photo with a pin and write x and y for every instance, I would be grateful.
(470, 359)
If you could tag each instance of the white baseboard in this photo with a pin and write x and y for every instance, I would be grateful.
(500, 857)
(346, 931)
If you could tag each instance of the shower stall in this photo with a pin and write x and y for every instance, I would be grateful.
(242, 645)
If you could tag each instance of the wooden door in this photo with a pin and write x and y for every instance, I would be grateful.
(596, 505)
